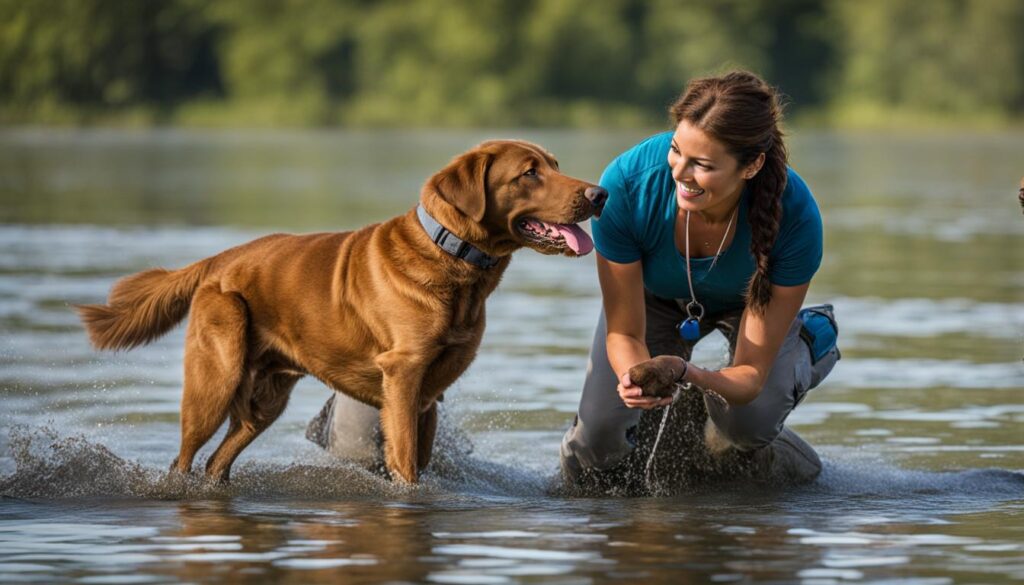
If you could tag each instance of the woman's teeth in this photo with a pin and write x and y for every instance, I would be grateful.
(694, 191)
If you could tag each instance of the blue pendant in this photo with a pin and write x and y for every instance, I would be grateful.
(690, 329)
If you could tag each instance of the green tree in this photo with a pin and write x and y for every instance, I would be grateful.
(283, 61)
(939, 57)
(103, 53)
(689, 38)
(434, 62)
(499, 62)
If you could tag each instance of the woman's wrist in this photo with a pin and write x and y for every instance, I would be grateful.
(686, 368)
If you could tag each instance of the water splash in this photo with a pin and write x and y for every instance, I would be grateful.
(51, 465)
(877, 478)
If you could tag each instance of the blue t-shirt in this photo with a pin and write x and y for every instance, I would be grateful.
(638, 223)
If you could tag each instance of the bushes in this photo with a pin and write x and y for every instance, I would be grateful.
(497, 62)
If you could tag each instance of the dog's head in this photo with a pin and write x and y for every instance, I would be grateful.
(508, 194)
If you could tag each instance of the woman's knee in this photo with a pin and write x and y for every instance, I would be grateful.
(758, 423)
(347, 429)
(748, 427)
(599, 442)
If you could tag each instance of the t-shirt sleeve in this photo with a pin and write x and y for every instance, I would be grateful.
(614, 233)
(797, 253)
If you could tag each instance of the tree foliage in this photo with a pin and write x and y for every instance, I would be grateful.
(498, 62)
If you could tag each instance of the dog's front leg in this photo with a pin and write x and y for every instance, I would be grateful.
(427, 430)
(400, 412)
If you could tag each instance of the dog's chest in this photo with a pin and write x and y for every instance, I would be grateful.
(463, 320)
(450, 363)
(457, 344)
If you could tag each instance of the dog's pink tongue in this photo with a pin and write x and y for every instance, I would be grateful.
(577, 239)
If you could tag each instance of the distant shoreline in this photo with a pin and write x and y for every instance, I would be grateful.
(224, 116)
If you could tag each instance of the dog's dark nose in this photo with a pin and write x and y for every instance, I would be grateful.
(597, 196)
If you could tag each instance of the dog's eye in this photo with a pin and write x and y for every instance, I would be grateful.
(532, 172)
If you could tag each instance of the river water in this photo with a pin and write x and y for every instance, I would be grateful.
(921, 425)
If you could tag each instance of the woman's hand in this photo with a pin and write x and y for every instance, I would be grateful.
(659, 375)
(633, 396)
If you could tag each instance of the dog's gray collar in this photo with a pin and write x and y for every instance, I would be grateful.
(451, 243)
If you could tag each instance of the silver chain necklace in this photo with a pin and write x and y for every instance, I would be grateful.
(689, 329)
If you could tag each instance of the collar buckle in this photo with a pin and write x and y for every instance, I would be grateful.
(451, 243)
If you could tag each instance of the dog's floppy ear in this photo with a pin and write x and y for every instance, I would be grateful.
(463, 183)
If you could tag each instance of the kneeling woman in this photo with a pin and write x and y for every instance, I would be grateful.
(705, 228)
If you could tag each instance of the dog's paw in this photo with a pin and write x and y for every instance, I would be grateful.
(658, 376)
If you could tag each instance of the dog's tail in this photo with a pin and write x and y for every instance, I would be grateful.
(142, 307)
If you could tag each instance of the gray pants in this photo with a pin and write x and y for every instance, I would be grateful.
(347, 429)
(605, 429)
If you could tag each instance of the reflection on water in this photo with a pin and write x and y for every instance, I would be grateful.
(919, 425)
(834, 530)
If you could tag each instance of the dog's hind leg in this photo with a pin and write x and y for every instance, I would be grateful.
(251, 414)
(215, 346)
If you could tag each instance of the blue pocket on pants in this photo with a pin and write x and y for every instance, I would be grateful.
(819, 330)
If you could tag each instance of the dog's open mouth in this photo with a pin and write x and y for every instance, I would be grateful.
(559, 236)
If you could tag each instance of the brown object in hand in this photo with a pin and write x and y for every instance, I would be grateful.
(381, 314)
(658, 376)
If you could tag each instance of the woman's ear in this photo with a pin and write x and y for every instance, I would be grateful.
(754, 167)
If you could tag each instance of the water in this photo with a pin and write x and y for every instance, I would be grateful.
(920, 425)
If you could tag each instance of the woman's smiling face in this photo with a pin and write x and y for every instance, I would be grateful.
(708, 178)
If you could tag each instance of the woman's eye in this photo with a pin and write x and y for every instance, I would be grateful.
(530, 173)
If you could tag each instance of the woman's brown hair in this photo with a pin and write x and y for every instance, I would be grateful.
(743, 112)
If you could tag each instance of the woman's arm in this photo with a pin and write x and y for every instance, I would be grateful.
(622, 290)
(757, 345)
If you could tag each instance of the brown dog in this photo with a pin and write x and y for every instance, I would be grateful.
(384, 314)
